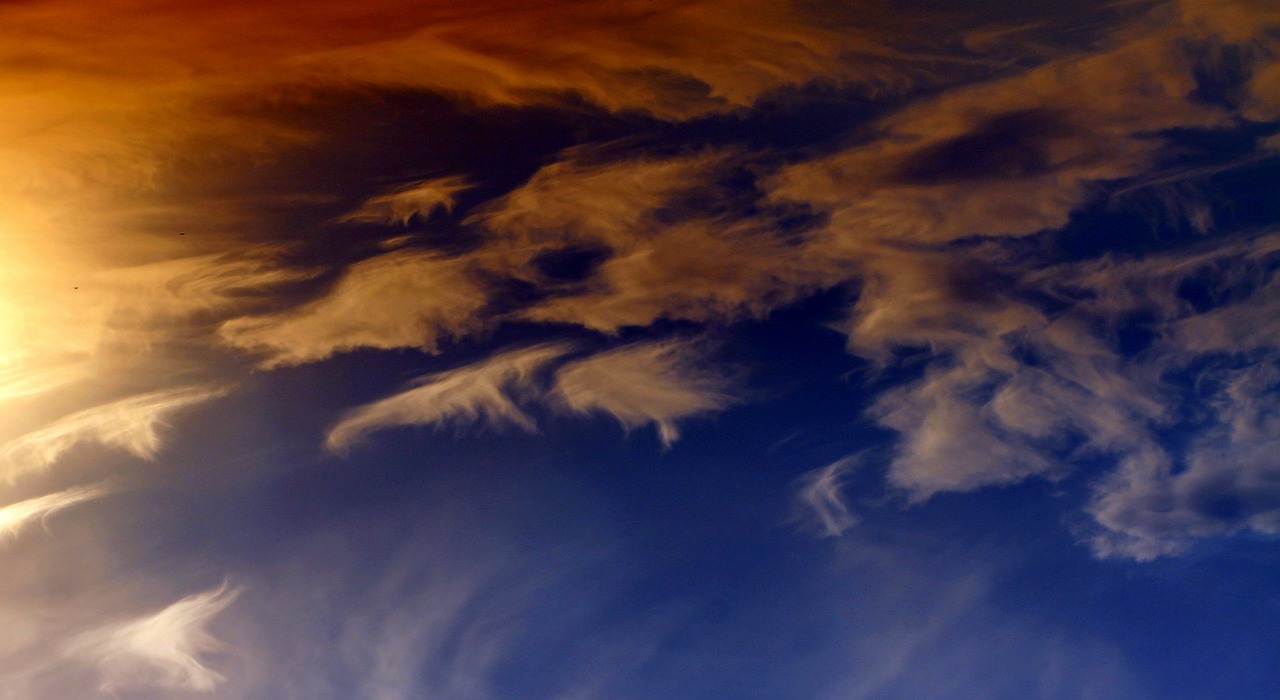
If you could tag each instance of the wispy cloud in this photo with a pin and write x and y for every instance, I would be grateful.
(132, 424)
(20, 381)
(1012, 392)
(1228, 481)
(415, 200)
(659, 383)
(160, 650)
(588, 198)
(17, 516)
(820, 495)
(672, 59)
(403, 299)
(486, 392)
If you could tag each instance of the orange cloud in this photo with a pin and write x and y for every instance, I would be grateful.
(397, 300)
(17, 516)
(131, 424)
(104, 108)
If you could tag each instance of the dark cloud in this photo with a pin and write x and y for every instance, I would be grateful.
(1006, 146)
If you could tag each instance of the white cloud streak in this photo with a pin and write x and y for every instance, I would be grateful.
(16, 517)
(19, 381)
(132, 424)
(160, 650)
(820, 494)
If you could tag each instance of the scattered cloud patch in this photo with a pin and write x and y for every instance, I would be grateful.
(133, 424)
(659, 383)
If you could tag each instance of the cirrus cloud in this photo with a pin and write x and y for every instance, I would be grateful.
(485, 392)
(132, 424)
(163, 649)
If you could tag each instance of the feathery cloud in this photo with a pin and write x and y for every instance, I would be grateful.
(402, 299)
(486, 392)
(17, 516)
(160, 650)
(657, 382)
(21, 381)
(131, 424)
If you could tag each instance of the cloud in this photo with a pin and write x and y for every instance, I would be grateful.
(159, 650)
(643, 258)
(1011, 391)
(19, 381)
(1018, 153)
(419, 199)
(131, 424)
(170, 73)
(130, 124)
(657, 382)
(1240, 327)
(1228, 480)
(158, 296)
(1007, 387)
(585, 198)
(15, 517)
(702, 270)
(663, 237)
(491, 574)
(820, 494)
(485, 392)
(401, 299)
(1212, 310)
(673, 59)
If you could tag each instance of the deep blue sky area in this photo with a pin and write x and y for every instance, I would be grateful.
(640, 350)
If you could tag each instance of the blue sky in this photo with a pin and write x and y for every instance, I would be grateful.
(709, 349)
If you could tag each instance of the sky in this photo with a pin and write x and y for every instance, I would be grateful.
(640, 350)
